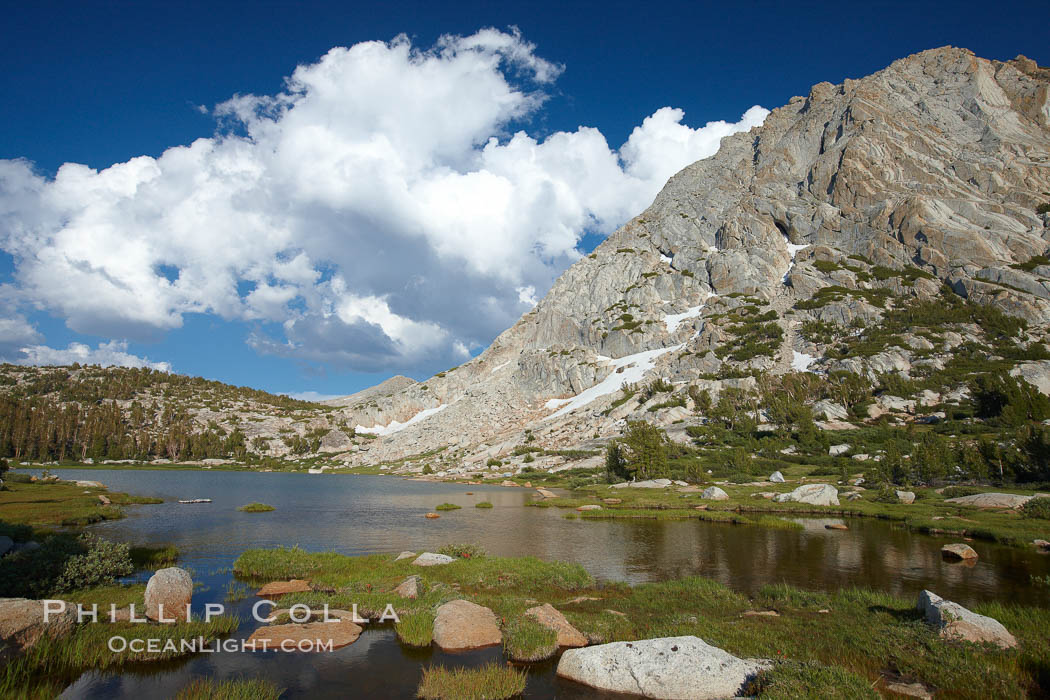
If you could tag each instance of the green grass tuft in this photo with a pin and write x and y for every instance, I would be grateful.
(154, 557)
(526, 639)
(235, 689)
(416, 629)
(489, 682)
(448, 506)
(483, 504)
(256, 508)
(791, 680)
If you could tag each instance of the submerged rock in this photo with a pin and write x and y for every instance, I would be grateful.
(958, 550)
(309, 636)
(685, 668)
(168, 594)
(460, 625)
(276, 588)
(813, 494)
(956, 622)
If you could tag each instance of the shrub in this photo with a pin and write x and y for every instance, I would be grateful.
(17, 478)
(100, 565)
(529, 459)
(427, 469)
(886, 495)
(1037, 508)
(493, 462)
(463, 550)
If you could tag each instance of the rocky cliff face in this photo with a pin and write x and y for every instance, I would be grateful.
(854, 199)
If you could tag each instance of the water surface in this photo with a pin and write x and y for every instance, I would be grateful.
(355, 514)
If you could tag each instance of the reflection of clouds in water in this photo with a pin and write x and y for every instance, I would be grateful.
(362, 514)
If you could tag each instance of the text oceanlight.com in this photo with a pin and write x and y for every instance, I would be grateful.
(200, 645)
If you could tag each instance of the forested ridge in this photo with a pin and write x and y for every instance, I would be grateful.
(116, 413)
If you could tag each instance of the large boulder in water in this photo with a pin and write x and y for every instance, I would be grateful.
(168, 595)
(684, 668)
(813, 494)
(461, 625)
(956, 622)
(23, 624)
(958, 550)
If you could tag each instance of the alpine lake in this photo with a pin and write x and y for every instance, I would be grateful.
(363, 514)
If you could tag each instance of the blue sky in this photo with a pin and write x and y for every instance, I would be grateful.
(332, 269)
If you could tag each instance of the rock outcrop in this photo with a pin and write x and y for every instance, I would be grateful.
(991, 500)
(812, 494)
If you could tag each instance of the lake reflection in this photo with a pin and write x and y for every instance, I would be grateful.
(356, 514)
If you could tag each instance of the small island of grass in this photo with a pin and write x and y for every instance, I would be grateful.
(483, 504)
(256, 508)
(448, 506)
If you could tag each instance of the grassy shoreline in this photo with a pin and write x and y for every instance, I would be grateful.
(929, 514)
(864, 636)
(63, 503)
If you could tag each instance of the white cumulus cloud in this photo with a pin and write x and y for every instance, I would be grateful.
(113, 353)
(376, 214)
